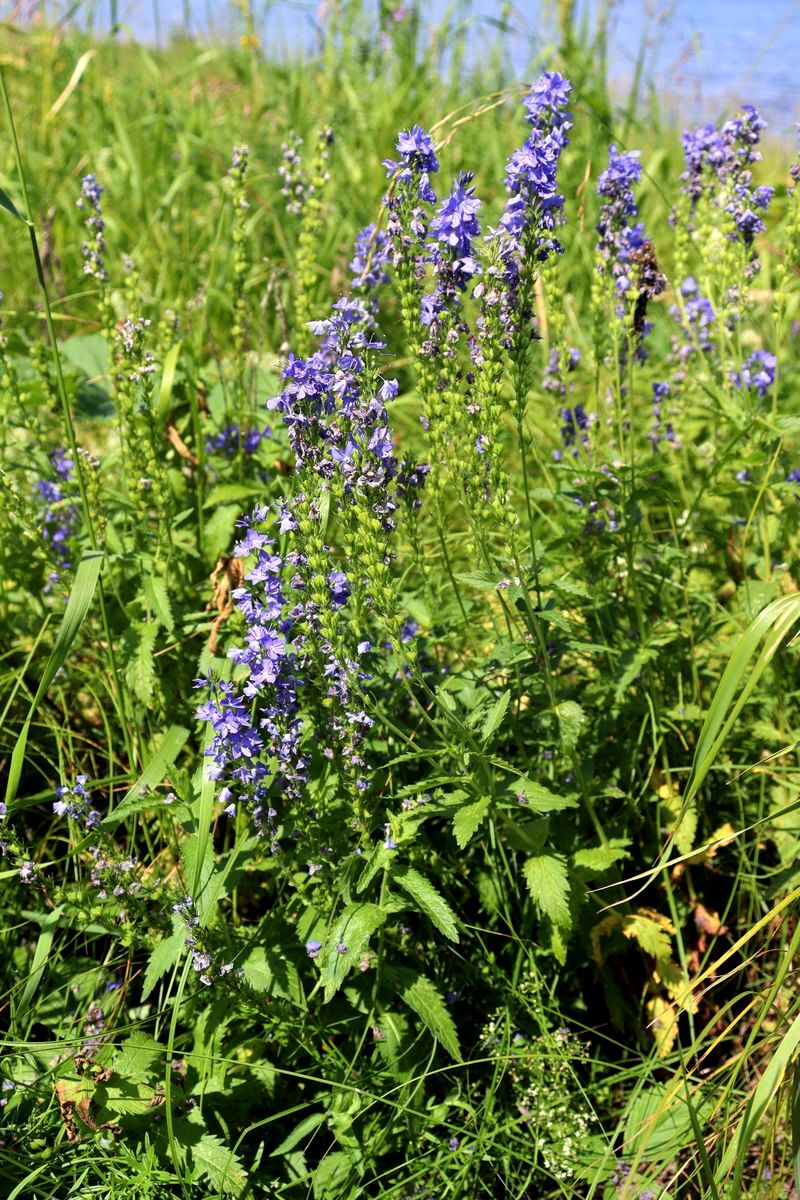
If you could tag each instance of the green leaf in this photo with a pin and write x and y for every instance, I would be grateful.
(467, 820)
(424, 999)
(429, 900)
(570, 719)
(599, 858)
(481, 580)
(164, 956)
(40, 957)
(215, 1161)
(658, 1122)
(124, 1098)
(80, 599)
(268, 971)
(548, 884)
(155, 590)
(495, 716)
(352, 931)
(218, 530)
(538, 798)
(136, 1057)
(8, 204)
(139, 798)
(167, 381)
(138, 644)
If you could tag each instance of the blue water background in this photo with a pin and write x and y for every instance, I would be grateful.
(703, 57)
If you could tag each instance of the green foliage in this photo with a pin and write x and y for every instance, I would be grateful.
(521, 923)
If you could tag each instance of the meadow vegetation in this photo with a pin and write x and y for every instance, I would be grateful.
(399, 525)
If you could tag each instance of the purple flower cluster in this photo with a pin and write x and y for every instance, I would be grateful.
(724, 157)
(73, 802)
(416, 164)
(661, 429)
(335, 411)
(553, 378)
(697, 330)
(229, 440)
(574, 430)
(371, 254)
(758, 372)
(454, 229)
(619, 237)
(529, 218)
(59, 514)
(94, 250)
(114, 876)
(291, 173)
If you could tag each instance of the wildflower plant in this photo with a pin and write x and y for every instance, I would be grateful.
(363, 758)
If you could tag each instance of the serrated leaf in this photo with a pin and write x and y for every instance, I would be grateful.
(124, 1097)
(424, 999)
(164, 955)
(219, 529)
(431, 902)
(596, 859)
(495, 716)
(352, 931)
(267, 971)
(468, 819)
(478, 579)
(538, 798)
(139, 797)
(136, 1056)
(548, 884)
(155, 590)
(138, 644)
(570, 719)
(214, 1160)
(651, 931)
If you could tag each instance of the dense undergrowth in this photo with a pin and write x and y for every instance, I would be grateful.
(399, 570)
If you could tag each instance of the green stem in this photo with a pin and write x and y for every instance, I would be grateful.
(67, 415)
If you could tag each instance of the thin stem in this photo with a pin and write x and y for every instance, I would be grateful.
(67, 414)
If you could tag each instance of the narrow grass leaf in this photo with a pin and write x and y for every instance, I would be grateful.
(80, 599)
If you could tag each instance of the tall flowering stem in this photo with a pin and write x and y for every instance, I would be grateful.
(298, 682)
(235, 183)
(310, 197)
(519, 249)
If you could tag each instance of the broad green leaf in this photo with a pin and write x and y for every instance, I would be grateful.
(495, 716)
(658, 1123)
(267, 971)
(346, 942)
(650, 932)
(596, 859)
(478, 579)
(139, 797)
(137, 1055)
(429, 900)
(218, 533)
(124, 1097)
(80, 599)
(468, 819)
(424, 999)
(215, 1161)
(548, 884)
(165, 954)
(537, 797)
